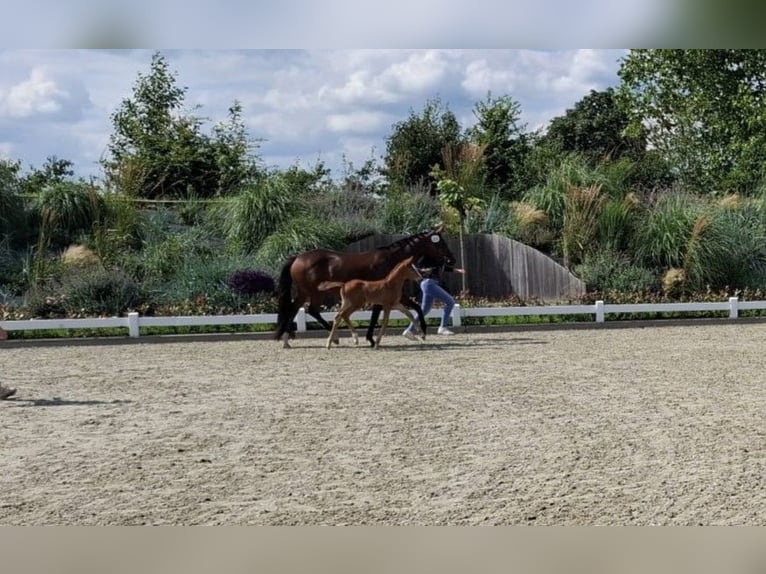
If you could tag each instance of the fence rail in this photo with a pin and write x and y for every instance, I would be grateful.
(134, 322)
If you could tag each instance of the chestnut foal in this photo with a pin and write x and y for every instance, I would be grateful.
(386, 292)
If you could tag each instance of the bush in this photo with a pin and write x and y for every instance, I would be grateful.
(296, 236)
(612, 271)
(99, 292)
(251, 282)
(411, 211)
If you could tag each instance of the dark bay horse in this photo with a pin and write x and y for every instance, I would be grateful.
(306, 271)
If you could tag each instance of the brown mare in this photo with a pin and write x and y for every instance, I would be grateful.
(386, 292)
(307, 270)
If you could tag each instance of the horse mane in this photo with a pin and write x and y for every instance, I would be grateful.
(409, 240)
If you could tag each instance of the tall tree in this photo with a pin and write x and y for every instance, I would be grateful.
(705, 110)
(596, 126)
(415, 145)
(499, 131)
(158, 149)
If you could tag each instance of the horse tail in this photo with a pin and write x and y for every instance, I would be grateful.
(285, 299)
(327, 285)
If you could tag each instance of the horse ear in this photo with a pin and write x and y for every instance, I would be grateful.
(439, 228)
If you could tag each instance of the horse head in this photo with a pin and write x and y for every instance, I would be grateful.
(434, 247)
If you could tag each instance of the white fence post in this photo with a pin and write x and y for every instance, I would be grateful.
(133, 330)
(457, 315)
(300, 319)
(599, 311)
(733, 307)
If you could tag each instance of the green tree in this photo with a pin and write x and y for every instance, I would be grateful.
(506, 144)
(11, 207)
(415, 145)
(53, 171)
(595, 127)
(158, 149)
(461, 185)
(704, 110)
(234, 152)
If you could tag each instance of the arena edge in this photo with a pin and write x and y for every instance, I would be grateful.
(461, 316)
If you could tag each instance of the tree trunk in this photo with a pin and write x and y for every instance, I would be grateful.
(462, 254)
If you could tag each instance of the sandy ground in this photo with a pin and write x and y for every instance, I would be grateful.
(594, 427)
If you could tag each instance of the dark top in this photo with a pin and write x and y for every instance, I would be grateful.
(431, 269)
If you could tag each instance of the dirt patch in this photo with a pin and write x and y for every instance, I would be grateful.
(608, 427)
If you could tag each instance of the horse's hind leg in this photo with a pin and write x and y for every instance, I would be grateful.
(289, 324)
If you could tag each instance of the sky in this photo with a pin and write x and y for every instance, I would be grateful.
(333, 105)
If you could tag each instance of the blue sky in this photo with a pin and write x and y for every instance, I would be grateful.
(305, 104)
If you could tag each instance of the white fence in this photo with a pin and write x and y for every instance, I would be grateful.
(133, 322)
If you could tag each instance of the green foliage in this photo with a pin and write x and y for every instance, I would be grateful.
(595, 127)
(582, 211)
(495, 216)
(704, 110)
(617, 223)
(577, 171)
(100, 292)
(298, 234)
(727, 248)
(68, 209)
(415, 145)
(53, 171)
(409, 212)
(201, 279)
(11, 207)
(499, 131)
(663, 236)
(258, 211)
(159, 151)
(608, 270)
(349, 206)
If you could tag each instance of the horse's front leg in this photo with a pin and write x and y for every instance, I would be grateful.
(376, 309)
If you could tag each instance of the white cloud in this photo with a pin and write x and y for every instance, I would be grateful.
(357, 122)
(305, 104)
(39, 94)
(6, 150)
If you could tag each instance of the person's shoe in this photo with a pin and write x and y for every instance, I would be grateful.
(444, 331)
(410, 335)
(5, 392)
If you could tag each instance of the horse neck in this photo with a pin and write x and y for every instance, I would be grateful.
(400, 250)
(396, 279)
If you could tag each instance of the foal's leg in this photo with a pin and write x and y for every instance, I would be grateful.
(332, 338)
(313, 310)
(386, 313)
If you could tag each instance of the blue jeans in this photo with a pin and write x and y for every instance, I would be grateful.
(432, 290)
